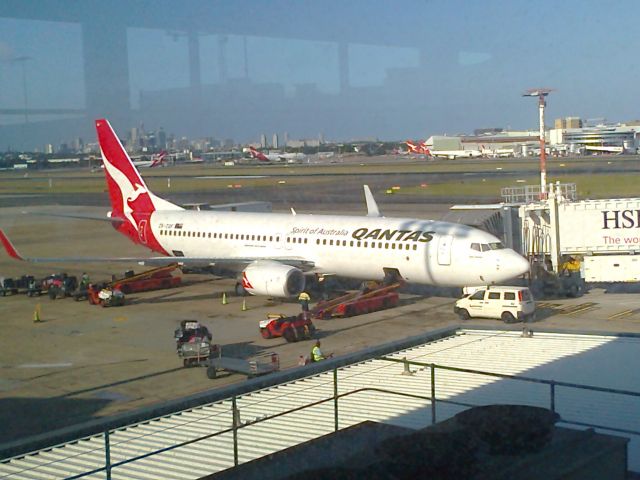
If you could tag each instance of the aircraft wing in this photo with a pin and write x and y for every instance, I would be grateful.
(232, 263)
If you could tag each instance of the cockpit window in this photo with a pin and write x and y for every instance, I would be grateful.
(484, 247)
(496, 246)
(475, 246)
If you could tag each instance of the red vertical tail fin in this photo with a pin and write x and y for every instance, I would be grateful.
(131, 200)
(127, 190)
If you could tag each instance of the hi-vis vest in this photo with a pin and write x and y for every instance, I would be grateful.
(316, 354)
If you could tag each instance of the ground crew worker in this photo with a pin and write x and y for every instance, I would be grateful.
(570, 266)
(316, 353)
(304, 298)
(84, 281)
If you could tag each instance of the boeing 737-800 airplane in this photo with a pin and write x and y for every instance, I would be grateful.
(274, 251)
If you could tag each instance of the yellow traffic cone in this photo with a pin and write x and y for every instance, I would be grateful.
(224, 298)
(36, 314)
(244, 304)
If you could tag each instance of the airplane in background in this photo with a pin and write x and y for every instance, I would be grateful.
(604, 149)
(274, 252)
(421, 148)
(453, 154)
(416, 148)
(157, 160)
(498, 152)
(275, 157)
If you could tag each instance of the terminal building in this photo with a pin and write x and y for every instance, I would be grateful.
(604, 138)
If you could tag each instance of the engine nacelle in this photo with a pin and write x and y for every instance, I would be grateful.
(265, 277)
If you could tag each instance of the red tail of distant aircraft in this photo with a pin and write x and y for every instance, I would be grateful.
(417, 148)
(158, 159)
(258, 155)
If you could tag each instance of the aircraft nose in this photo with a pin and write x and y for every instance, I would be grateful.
(518, 265)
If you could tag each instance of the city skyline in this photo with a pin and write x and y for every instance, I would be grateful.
(373, 70)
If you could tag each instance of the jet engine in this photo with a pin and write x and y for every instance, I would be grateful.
(264, 277)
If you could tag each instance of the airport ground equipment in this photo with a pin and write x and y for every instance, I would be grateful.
(371, 298)
(105, 296)
(262, 364)
(293, 328)
(29, 285)
(154, 279)
(8, 287)
(59, 285)
(194, 343)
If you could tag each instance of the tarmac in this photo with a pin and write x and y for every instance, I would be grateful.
(82, 362)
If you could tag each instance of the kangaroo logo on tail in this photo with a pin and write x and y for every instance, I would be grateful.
(131, 200)
(129, 195)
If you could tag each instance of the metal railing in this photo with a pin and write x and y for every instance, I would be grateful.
(237, 425)
(533, 193)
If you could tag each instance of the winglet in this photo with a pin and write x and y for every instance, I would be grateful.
(8, 246)
(372, 206)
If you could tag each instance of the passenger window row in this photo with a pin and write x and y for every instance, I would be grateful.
(297, 240)
(225, 236)
(366, 244)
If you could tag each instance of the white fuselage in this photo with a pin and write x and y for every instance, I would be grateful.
(422, 251)
(452, 154)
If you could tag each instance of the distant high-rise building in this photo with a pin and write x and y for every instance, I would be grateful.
(77, 144)
(568, 122)
(274, 143)
(162, 139)
(48, 149)
(134, 139)
(574, 122)
(321, 138)
(263, 140)
(286, 139)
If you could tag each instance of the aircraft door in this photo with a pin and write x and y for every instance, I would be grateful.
(283, 241)
(444, 249)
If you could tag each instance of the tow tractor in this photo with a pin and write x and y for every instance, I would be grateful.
(293, 329)
(371, 298)
(103, 295)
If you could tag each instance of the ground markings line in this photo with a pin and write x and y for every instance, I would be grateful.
(580, 308)
(624, 313)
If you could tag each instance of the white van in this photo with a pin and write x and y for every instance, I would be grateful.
(505, 303)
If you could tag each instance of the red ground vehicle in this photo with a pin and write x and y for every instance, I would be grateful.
(110, 298)
(293, 329)
(371, 299)
(154, 279)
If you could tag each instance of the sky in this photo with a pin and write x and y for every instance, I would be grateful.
(412, 68)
